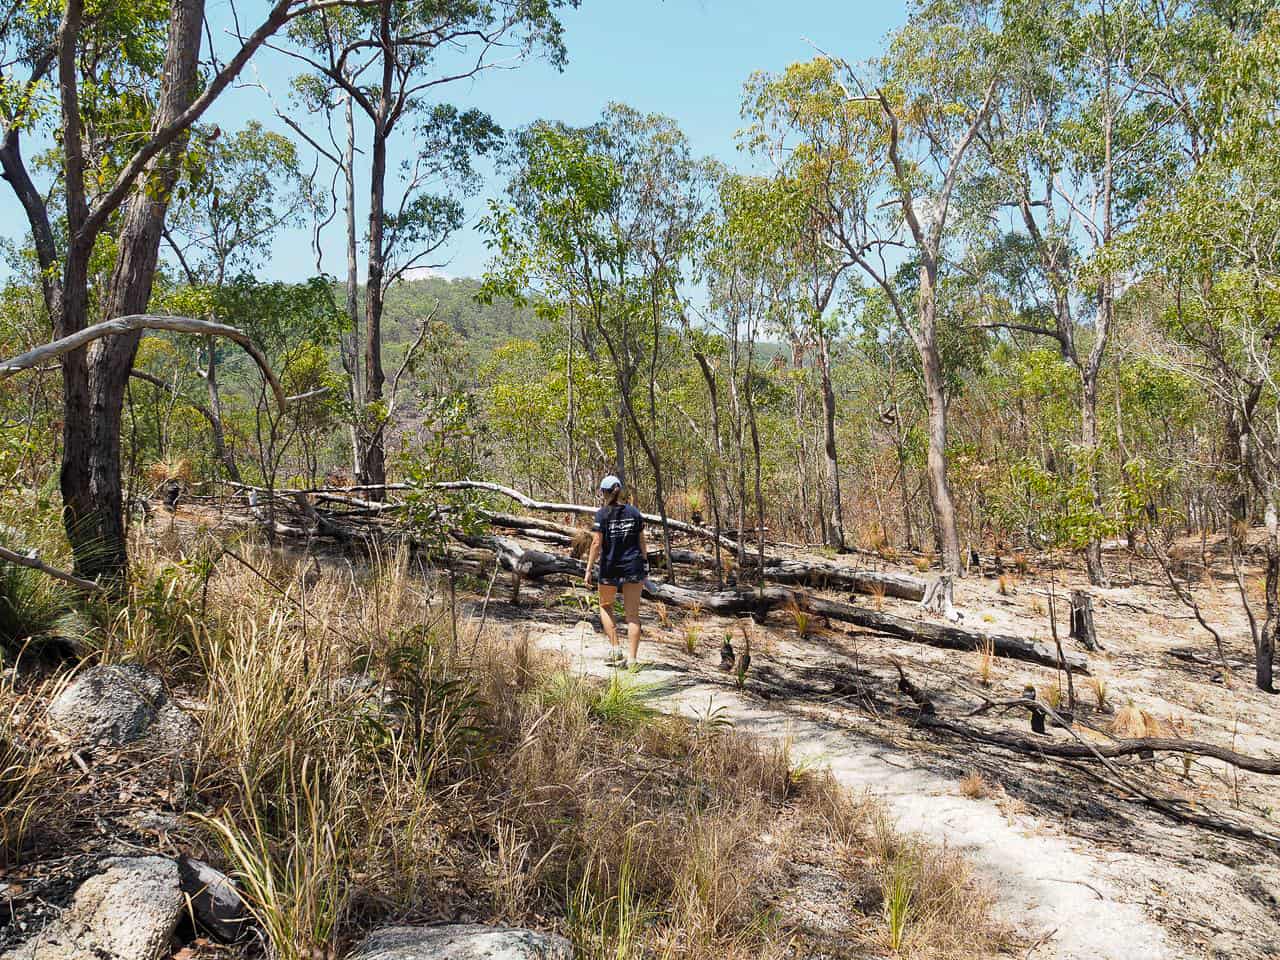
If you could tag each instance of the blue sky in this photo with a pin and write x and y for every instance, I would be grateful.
(687, 59)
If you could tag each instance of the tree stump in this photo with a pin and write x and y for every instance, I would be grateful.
(939, 598)
(1082, 628)
(1037, 714)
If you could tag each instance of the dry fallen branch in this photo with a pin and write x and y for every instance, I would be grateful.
(530, 504)
(758, 603)
(1104, 754)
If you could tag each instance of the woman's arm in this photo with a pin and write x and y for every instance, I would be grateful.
(597, 539)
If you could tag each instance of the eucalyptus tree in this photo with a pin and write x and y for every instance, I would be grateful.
(390, 61)
(890, 145)
(1213, 245)
(744, 279)
(121, 85)
(799, 120)
(1077, 144)
(240, 190)
(602, 220)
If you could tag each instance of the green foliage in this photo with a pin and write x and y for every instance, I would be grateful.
(35, 609)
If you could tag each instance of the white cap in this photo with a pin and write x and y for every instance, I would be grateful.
(610, 483)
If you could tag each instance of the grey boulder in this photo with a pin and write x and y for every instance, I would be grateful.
(462, 941)
(127, 912)
(119, 704)
(215, 902)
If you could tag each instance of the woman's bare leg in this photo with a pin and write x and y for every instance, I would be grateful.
(607, 594)
(631, 607)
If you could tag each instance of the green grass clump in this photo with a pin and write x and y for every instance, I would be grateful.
(35, 609)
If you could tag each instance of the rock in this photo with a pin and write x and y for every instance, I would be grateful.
(461, 941)
(127, 912)
(215, 901)
(120, 704)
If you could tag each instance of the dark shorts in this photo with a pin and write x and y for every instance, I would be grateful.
(616, 578)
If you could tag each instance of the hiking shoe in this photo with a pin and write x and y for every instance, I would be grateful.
(615, 657)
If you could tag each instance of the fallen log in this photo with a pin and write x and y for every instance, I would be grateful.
(809, 571)
(576, 508)
(1113, 750)
(824, 574)
(528, 562)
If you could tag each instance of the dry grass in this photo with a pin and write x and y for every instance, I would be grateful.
(931, 904)
(805, 623)
(691, 637)
(1052, 696)
(664, 614)
(974, 786)
(1131, 722)
(986, 661)
(923, 564)
(163, 471)
(364, 763)
(29, 790)
(1099, 687)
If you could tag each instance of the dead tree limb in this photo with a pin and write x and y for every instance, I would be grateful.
(143, 321)
(1114, 750)
(808, 571)
(575, 508)
(33, 562)
(534, 563)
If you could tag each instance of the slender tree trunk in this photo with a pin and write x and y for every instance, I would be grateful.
(717, 448)
(1089, 440)
(759, 496)
(95, 386)
(1106, 313)
(619, 424)
(739, 455)
(836, 525)
(802, 458)
(935, 394)
(1266, 651)
(375, 464)
(215, 413)
(570, 447)
(351, 350)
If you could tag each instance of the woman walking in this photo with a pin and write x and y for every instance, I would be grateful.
(617, 541)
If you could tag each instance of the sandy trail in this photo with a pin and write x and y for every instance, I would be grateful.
(1070, 902)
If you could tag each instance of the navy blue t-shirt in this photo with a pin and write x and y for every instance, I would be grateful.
(619, 526)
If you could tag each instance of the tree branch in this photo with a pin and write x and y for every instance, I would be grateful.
(143, 321)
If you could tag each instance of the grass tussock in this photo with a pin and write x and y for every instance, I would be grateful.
(364, 761)
(974, 786)
(986, 661)
(806, 623)
(36, 611)
(1132, 722)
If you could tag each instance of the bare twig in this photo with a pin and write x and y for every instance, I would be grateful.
(33, 562)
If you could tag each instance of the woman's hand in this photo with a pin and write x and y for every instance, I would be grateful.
(587, 578)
